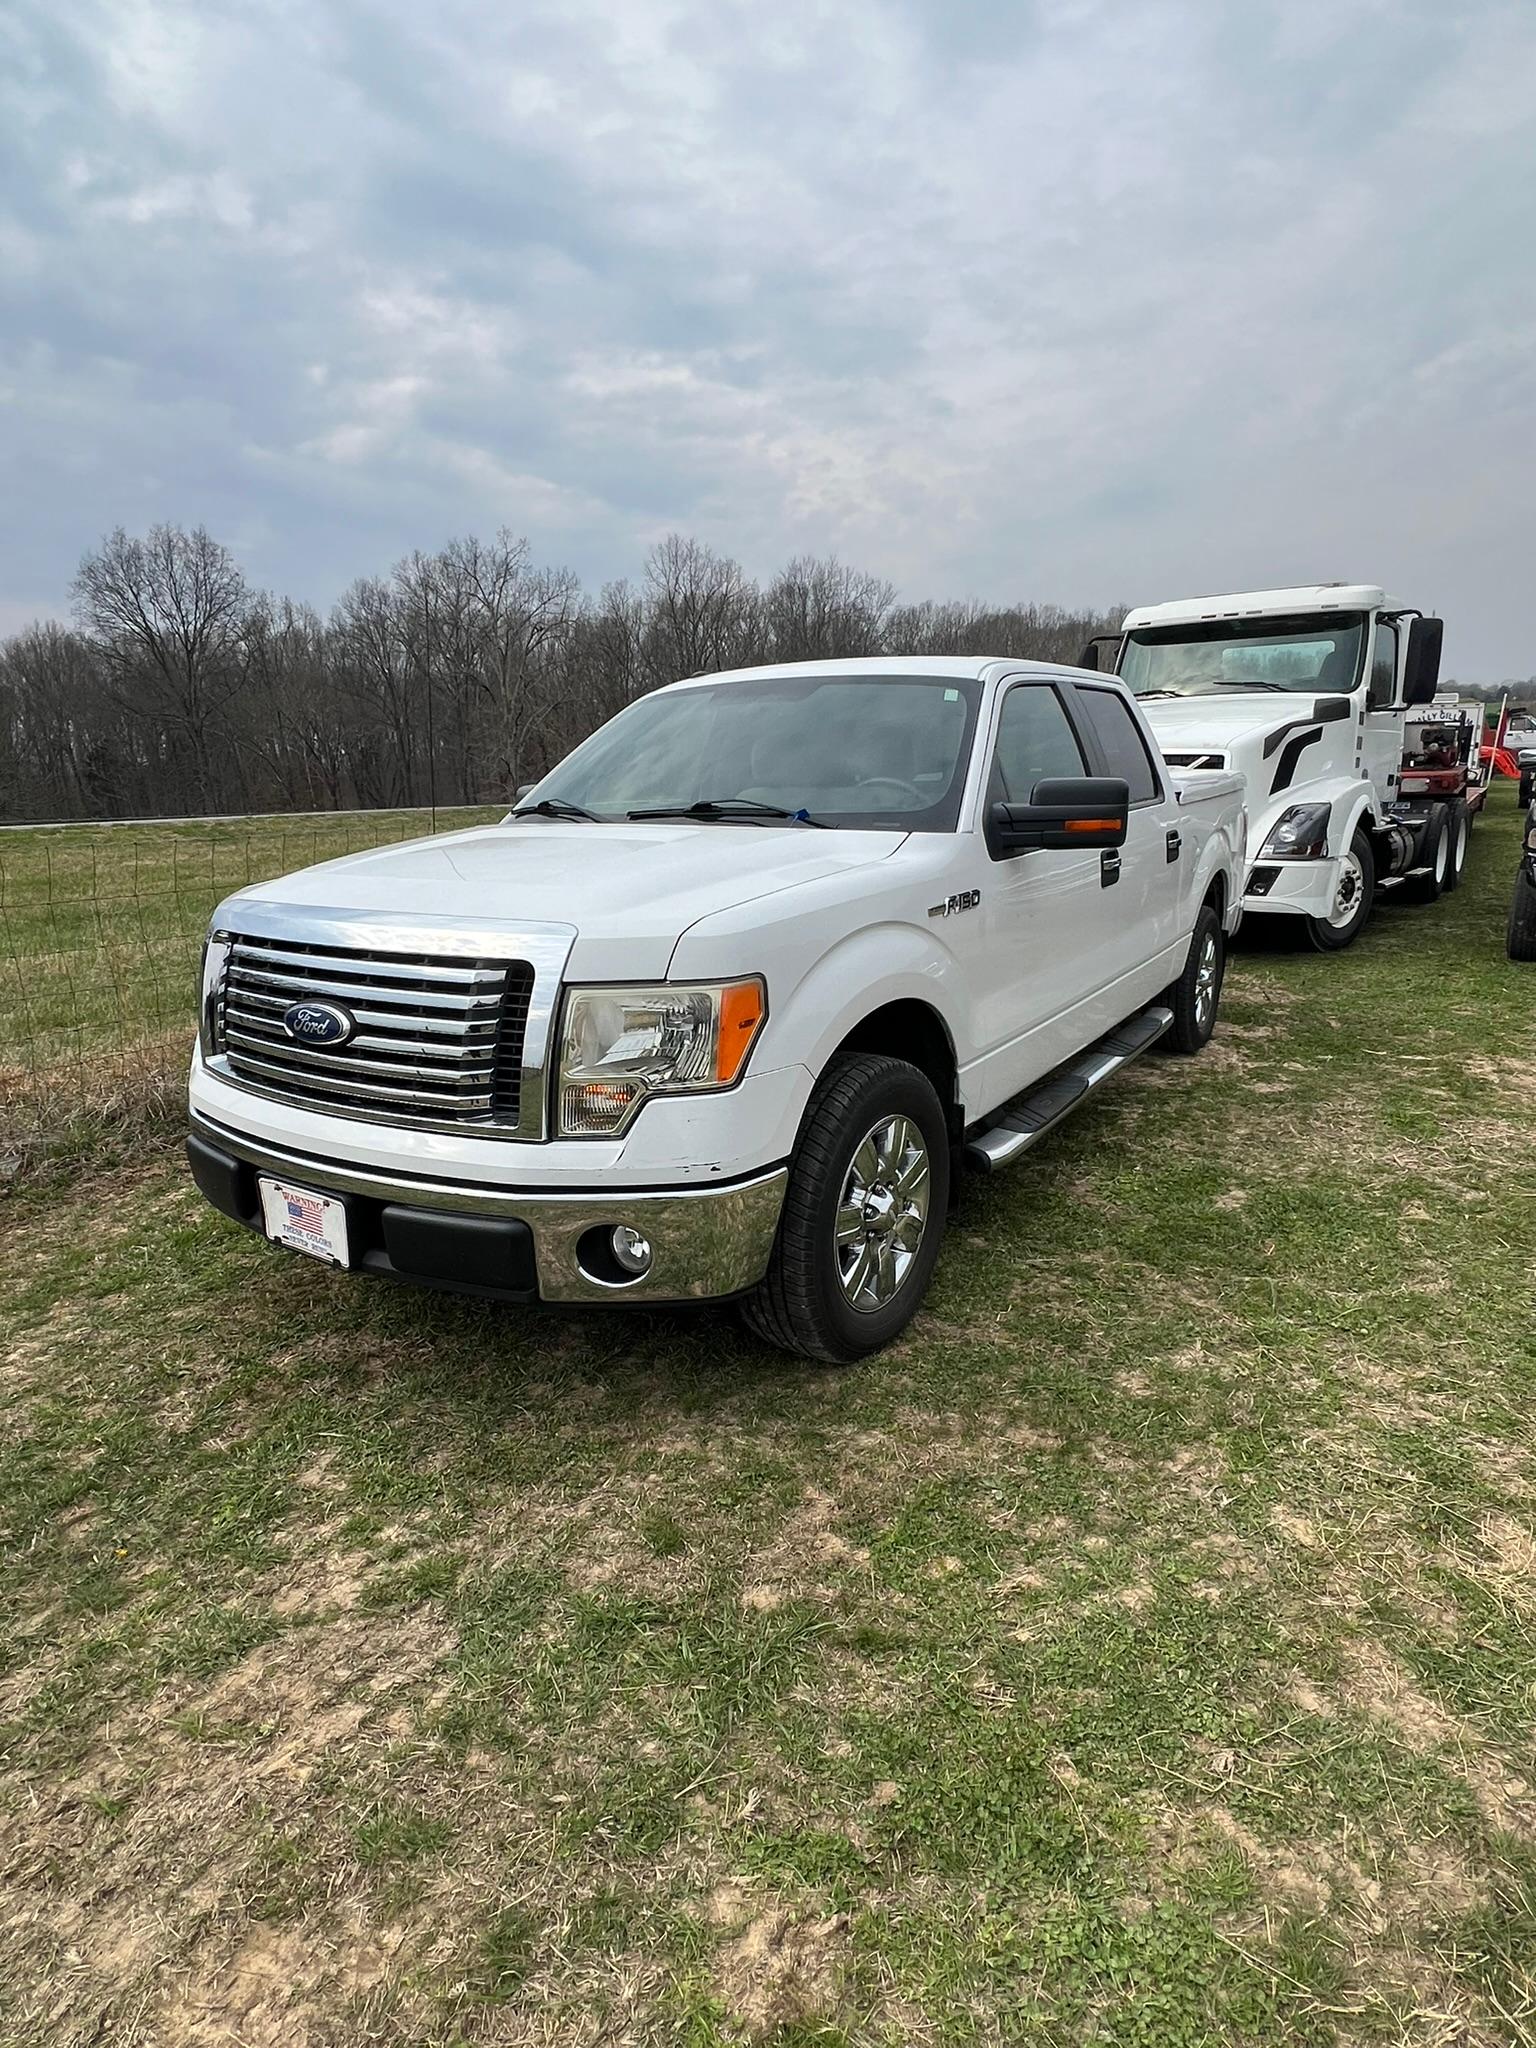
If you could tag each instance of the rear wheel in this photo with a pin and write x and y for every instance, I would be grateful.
(863, 1214)
(1458, 832)
(1520, 941)
(1353, 894)
(1196, 996)
(1436, 863)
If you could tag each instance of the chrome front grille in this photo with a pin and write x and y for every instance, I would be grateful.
(437, 1040)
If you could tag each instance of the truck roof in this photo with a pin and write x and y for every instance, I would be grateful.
(968, 667)
(1251, 604)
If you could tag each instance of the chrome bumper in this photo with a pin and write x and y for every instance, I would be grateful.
(708, 1242)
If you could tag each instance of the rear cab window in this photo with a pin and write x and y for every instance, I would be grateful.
(1120, 741)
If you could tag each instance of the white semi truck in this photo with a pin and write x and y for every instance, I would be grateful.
(723, 1005)
(1319, 697)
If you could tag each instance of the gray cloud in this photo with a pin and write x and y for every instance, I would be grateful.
(1067, 300)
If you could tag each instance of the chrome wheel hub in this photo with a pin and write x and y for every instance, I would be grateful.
(1346, 895)
(882, 1213)
(1205, 983)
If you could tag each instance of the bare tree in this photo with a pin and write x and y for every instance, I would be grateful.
(168, 613)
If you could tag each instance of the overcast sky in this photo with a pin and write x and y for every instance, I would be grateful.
(1002, 298)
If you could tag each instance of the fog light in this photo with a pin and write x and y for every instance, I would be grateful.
(632, 1251)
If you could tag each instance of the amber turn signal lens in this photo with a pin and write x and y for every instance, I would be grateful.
(1090, 824)
(742, 1010)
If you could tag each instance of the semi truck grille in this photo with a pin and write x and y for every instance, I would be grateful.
(431, 1040)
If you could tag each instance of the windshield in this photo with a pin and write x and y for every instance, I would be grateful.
(1306, 654)
(876, 751)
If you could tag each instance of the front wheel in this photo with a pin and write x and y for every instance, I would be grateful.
(1353, 894)
(863, 1214)
(1195, 997)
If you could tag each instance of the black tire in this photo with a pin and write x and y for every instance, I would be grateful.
(803, 1304)
(1429, 886)
(1458, 826)
(1333, 938)
(1195, 999)
(1520, 940)
(1527, 789)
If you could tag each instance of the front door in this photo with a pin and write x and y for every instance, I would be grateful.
(1382, 731)
(1045, 929)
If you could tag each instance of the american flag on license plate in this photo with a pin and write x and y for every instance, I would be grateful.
(305, 1212)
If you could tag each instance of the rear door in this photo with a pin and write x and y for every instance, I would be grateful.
(1146, 884)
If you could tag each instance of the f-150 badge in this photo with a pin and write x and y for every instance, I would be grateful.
(953, 905)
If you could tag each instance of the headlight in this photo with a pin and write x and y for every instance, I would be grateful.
(619, 1045)
(215, 953)
(1301, 833)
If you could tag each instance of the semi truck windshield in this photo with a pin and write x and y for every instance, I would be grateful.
(1304, 654)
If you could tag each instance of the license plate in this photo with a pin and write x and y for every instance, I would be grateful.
(305, 1221)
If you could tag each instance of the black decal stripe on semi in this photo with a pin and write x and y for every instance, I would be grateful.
(1326, 711)
(1295, 748)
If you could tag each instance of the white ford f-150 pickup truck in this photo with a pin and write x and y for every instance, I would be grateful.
(720, 1009)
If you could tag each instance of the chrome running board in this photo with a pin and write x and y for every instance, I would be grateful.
(1026, 1119)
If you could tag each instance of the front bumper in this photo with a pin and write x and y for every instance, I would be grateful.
(508, 1244)
(1291, 888)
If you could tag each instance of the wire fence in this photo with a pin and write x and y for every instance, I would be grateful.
(101, 929)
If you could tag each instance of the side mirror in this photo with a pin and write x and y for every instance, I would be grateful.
(1089, 658)
(523, 789)
(1421, 672)
(1087, 810)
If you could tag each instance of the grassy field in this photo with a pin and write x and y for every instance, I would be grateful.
(100, 931)
(1142, 1652)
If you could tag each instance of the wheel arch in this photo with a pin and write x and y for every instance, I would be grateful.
(907, 1028)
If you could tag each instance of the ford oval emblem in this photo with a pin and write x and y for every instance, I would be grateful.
(319, 1023)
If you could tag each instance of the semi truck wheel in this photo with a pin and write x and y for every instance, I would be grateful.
(1196, 996)
(1520, 940)
(1353, 896)
(863, 1214)
(1458, 832)
(1436, 862)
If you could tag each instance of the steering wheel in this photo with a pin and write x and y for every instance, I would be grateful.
(906, 792)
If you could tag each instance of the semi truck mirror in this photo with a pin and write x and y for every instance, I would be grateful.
(1067, 811)
(1089, 658)
(1421, 671)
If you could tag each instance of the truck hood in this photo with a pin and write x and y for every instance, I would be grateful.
(1183, 724)
(630, 891)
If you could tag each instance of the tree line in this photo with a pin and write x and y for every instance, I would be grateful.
(183, 690)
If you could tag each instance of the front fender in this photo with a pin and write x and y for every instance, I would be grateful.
(884, 963)
(1349, 799)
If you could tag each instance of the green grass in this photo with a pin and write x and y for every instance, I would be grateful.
(1142, 1652)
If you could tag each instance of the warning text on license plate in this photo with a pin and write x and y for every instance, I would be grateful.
(311, 1223)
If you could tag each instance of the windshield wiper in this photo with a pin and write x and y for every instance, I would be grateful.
(730, 807)
(1141, 695)
(1255, 684)
(556, 807)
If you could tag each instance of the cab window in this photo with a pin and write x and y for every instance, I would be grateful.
(1383, 684)
(1120, 741)
(1035, 740)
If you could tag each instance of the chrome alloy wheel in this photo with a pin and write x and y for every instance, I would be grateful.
(882, 1212)
(1348, 890)
(1205, 982)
